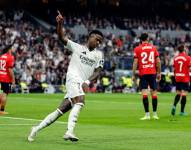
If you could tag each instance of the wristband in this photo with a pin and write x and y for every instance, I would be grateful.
(87, 82)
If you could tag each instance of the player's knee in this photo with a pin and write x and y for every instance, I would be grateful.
(65, 106)
(81, 104)
(78, 100)
(183, 94)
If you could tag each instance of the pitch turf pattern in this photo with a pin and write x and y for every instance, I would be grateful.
(108, 122)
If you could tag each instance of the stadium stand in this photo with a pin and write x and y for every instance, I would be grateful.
(40, 57)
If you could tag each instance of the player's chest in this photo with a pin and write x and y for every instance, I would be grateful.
(86, 58)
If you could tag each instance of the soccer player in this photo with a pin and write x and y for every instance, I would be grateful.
(146, 57)
(85, 66)
(6, 76)
(182, 64)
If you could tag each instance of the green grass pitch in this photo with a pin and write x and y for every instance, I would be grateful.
(107, 122)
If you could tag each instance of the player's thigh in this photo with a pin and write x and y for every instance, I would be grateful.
(6, 87)
(178, 87)
(185, 88)
(74, 89)
(152, 82)
(179, 92)
(144, 91)
(79, 99)
(182, 86)
(143, 82)
(153, 92)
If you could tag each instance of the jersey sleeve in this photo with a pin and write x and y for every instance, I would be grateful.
(10, 62)
(72, 46)
(156, 52)
(100, 61)
(189, 61)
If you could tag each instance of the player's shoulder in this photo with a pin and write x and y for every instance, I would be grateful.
(188, 58)
(99, 53)
(74, 43)
(5, 56)
(138, 48)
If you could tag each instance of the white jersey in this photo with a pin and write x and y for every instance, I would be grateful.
(83, 62)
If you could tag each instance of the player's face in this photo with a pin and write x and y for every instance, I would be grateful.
(94, 41)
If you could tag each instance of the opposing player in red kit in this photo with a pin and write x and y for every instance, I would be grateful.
(146, 57)
(182, 64)
(6, 76)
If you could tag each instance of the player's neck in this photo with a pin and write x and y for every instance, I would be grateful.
(89, 48)
(9, 52)
(145, 42)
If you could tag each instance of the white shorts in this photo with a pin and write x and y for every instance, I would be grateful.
(74, 89)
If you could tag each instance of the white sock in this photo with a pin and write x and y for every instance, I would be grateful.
(49, 119)
(73, 116)
(155, 113)
(147, 114)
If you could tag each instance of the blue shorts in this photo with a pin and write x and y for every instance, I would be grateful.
(182, 86)
(6, 87)
(148, 80)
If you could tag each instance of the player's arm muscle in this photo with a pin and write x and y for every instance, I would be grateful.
(158, 65)
(135, 63)
(96, 73)
(11, 74)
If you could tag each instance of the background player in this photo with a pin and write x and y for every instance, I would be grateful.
(147, 58)
(85, 66)
(6, 76)
(182, 64)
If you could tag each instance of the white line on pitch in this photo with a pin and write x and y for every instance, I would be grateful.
(16, 124)
(29, 119)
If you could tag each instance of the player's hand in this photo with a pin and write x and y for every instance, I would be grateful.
(133, 78)
(13, 85)
(85, 87)
(158, 77)
(59, 17)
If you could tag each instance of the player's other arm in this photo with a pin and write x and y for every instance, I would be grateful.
(189, 63)
(96, 73)
(60, 32)
(11, 74)
(135, 63)
(93, 77)
(158, 68)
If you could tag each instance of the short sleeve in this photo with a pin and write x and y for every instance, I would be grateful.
(72, 46)
(10, 62)
(156, 52)
(189, 61)
(100, 61)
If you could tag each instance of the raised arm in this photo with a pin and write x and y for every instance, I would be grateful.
(60, 32)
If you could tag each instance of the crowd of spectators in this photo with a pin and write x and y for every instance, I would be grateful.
(41, 58)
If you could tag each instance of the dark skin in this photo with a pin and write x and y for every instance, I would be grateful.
(94, 40)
